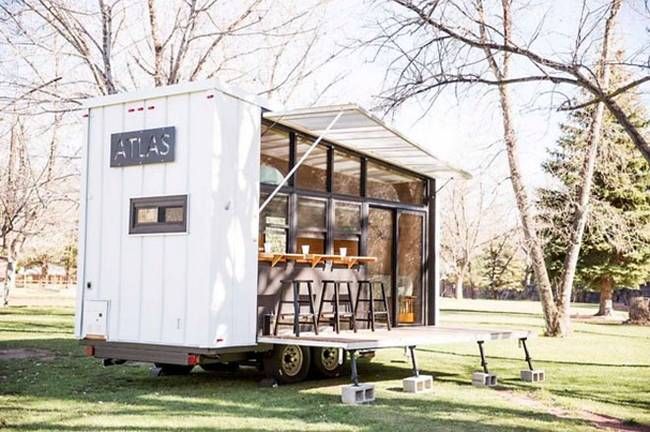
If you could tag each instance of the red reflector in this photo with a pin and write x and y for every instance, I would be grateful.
(192, 359)
(89, 350)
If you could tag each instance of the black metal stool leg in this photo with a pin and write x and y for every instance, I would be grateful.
(296, 308)
(322, 300)
(383, 298)
(277, 315)
(311, 307)
(337, 316)
(372, 307)
(353, 319)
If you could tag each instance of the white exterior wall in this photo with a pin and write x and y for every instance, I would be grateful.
(194, 289)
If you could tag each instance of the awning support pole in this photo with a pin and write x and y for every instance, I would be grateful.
(302, 159)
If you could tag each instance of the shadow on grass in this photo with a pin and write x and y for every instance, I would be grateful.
(122, 398)
(559, 362)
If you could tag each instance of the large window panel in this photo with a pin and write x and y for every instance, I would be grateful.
(312, 173)
(393, 185)
(347, 174)
(274, 224)
(347, 228)
(312, 229)
(274, 157)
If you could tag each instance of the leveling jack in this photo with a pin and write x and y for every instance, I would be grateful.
(485, 378)
(530, 374)
(356, 393)
(416, 383)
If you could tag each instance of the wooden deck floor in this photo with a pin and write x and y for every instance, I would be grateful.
(395, 338)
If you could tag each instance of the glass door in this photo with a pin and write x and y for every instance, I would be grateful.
(409, 292)
(381, 245)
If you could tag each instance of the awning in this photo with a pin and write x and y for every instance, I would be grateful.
(358, 130)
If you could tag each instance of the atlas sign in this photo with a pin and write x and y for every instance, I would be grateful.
(143, 146)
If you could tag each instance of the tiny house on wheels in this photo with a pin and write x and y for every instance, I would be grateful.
(215, 231)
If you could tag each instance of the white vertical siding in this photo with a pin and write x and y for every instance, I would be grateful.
(131, 293)
(195, 289)
(175, 253)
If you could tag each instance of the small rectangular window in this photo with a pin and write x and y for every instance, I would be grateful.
(163, 214)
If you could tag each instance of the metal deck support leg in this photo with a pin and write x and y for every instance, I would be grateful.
(417, 383)
(530, 375)
(356, 393)
(485, 378)
(353, 367)
(483, 361)
(413, 362)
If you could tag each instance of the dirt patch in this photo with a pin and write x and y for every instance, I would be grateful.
(25, 353)
(600, 421)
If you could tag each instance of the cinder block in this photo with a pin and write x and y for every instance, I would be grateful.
(358, 394)
(418, 384)
(536, 375)
(481, 379)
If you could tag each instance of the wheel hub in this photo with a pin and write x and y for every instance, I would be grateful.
(292, 360)
(330, 358)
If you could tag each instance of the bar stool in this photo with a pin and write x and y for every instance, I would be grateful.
(371, 300)
(335, 301)
(298, 301)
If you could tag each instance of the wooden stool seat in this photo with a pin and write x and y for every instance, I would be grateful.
(298, 300)
(371, 301)
(336, 301)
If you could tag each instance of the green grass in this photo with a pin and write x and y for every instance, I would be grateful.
(602, 368)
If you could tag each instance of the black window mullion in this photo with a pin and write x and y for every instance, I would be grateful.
(292, 156)
(364, 176)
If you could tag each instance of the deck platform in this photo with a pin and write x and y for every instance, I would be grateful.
(394, 338)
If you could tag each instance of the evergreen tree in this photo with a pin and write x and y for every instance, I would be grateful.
(616, 243)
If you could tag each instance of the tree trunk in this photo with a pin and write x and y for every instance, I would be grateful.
(581, 211)
(10, 279)
(460, 279)
(554, 326)
(606, 289)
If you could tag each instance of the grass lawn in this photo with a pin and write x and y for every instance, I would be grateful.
(601, 368)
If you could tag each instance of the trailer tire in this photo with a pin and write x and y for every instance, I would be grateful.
(174, 369)
(325, 361)
(288, 364)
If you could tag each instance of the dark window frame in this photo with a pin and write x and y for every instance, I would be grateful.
(161, 203)
(428, 208)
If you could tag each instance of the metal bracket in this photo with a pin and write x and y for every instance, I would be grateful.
(484, 363)
(529, 360)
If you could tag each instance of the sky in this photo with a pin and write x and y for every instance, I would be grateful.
(467, 131)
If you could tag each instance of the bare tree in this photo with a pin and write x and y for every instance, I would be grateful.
(467, 226)
(450, 50)
(30, 188)
(457, 44)
(123, 44)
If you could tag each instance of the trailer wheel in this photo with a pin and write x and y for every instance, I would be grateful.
(174, 369)
(288, 364)
(327, 362)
